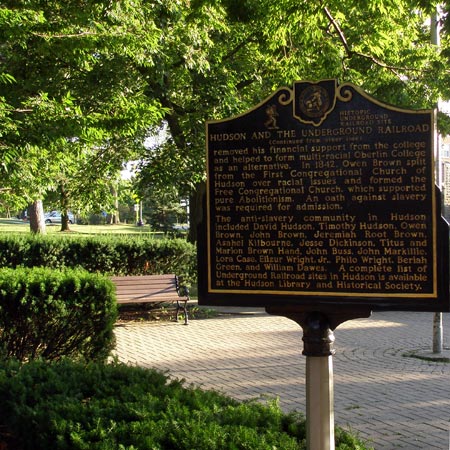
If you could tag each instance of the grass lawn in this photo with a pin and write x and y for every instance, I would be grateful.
(14, 225)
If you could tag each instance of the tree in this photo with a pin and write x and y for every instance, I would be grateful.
(104, 72)
(69, 93)
(162, 207)
(221, 58)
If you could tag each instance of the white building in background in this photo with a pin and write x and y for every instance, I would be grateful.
(445, 184)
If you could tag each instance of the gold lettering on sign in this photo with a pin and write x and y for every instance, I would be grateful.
(322, 210)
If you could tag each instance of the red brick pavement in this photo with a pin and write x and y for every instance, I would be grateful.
(393, 401)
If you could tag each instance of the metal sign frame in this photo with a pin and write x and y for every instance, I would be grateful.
(343, 139)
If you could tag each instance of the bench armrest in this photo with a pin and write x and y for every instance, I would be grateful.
(183, 291)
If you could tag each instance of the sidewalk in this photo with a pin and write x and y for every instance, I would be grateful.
(393, 401)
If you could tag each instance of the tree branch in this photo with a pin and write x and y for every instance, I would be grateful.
(339, 32)
(232, 52)
(18, 110)
(63, 36)
(351, 53)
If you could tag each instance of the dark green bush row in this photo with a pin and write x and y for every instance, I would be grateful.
(112, 255)
(49, 313)
(70, 406)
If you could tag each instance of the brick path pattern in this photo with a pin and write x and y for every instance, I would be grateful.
(391, 401)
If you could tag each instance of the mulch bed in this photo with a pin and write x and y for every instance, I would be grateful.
(158, 313)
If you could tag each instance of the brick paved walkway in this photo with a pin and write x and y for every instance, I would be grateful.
(393, 401)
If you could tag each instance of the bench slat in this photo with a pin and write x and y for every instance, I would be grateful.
(145, 277)
(155, 290)
(145, 299)
(152, 286)
(150, 295)
(133, 292)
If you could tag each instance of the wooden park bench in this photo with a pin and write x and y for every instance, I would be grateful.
(152, 289)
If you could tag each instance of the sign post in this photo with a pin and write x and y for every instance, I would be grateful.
(321, 206)
(319, 403)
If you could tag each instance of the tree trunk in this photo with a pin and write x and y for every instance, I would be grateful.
(196, 211)
(115, 217)
(65, 225)
(64, 198)
(36, 215)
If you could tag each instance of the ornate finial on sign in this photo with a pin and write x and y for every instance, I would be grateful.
(286, 96)
(343, 93)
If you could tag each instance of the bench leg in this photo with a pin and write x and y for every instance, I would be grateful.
(186, 319)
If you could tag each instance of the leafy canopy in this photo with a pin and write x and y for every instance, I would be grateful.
(71, 98)
(221, 58)
(83, 83)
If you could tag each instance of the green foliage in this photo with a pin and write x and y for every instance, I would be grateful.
(163, 208)
(72, 104)
(82, 82)
(109, 255)
(67, 405)
(51, 314)
(222, 58)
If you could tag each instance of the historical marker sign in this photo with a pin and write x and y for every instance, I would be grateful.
(322, 195)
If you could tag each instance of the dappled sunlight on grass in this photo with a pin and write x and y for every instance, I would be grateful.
(14, 225)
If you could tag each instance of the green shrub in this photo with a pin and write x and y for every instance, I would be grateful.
(66, 405)
(49, 313)
(110, 255)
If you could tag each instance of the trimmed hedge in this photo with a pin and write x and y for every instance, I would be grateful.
(54, 303)
(110, 255)
(72, 406)
(50, 313)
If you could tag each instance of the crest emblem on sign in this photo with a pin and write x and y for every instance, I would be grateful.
(314, 101)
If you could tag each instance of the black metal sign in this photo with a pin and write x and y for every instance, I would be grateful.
(322, 195)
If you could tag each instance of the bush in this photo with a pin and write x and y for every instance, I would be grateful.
(67, 405)
(48, 313)
(110, 255)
